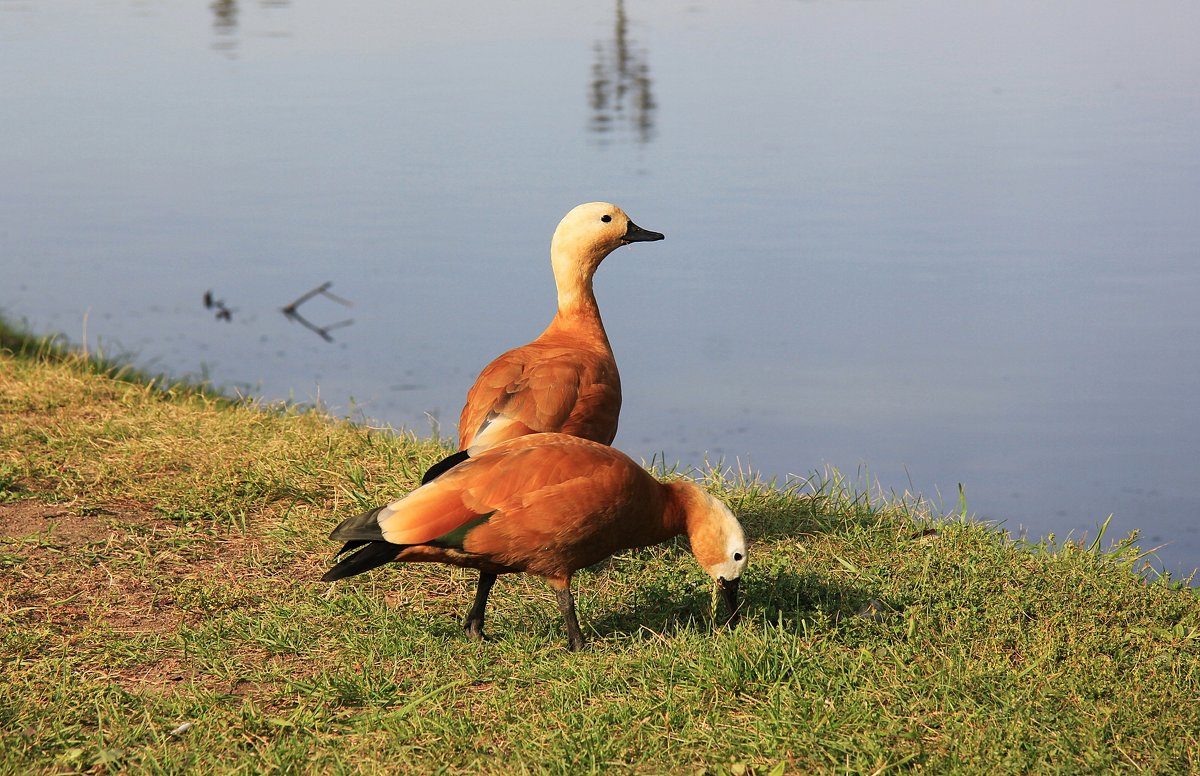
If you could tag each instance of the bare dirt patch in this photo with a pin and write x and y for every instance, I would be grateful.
(120, 566)
(57, 522)
(68, 567)
(126, 573)
(127, 568)
(166, 676)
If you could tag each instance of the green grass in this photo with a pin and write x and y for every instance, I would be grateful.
(160, 546)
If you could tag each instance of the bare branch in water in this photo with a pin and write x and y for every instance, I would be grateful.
(292, 312)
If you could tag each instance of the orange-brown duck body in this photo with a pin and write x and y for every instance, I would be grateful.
(544, 504)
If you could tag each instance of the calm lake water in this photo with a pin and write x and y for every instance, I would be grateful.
(926, 243)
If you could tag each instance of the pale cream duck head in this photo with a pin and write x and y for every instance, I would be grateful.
(583, 238)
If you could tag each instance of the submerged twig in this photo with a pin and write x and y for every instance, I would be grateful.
(323, 290)
(326, 292)
(292, 312)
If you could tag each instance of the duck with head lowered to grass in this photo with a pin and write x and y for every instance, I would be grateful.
(548, 505)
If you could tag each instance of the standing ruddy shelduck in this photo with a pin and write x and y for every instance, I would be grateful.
(549, 505)
(566, 380)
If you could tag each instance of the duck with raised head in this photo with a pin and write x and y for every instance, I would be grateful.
(544, 504)
(566, 380)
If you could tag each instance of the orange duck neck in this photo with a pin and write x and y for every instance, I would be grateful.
(578, 314)
(676, 510)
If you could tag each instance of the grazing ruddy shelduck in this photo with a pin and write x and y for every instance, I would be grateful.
(566, 380)
(549, 505)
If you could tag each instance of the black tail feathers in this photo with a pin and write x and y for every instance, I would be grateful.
(362, 532)
(371, 556)
(443, 466)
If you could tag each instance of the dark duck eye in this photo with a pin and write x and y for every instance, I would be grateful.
(606, 218)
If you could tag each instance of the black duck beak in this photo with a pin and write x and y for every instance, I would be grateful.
(635, 233)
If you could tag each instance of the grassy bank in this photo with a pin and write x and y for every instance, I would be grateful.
(158, 555)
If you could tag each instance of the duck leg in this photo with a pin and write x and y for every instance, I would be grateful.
(473, 625)
(566, 605)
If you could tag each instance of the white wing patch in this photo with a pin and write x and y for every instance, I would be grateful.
(491, 433)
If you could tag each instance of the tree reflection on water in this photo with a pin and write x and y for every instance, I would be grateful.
(621, 90)
(621, 86)
(225, 23)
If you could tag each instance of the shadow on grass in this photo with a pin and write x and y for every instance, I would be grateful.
(784, 599)
(773, 516)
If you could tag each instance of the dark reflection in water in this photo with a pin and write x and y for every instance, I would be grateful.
(220, 311)
(225, 14)
(621, 86)
(225, 23)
